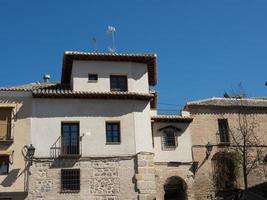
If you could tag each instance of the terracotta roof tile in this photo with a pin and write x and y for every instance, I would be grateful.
(229, 102)
(149, 59)
(171, 118)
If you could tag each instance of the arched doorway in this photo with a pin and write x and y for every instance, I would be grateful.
(175, 189)
(225, 170)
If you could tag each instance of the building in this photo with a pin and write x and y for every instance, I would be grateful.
(96, 134)
(216, 126)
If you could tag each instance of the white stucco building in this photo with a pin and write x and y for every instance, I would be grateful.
(96, 133)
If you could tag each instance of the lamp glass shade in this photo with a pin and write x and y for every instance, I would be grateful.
(209, 147)
(31, 150)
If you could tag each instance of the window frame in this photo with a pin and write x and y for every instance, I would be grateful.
(78, 138)
(8, 135)
(65, 188)
(117, 88)
(223, 131)
(92, 80)
(2, 159)
(165, 144)
(119, 132)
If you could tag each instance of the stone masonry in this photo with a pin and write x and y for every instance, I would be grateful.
(146, 176)
(100, 179)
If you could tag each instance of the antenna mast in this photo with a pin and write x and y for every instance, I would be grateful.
(94, 44)
(111, 31)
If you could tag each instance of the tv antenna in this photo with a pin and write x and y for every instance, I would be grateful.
(94, 44)
(111, 31)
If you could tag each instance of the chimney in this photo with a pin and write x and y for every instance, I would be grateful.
(46, 78)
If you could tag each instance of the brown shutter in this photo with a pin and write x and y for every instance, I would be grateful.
(5, 123)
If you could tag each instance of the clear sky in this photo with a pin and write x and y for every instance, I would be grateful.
(204, 47)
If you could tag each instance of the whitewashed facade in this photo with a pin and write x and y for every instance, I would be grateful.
(99, 123)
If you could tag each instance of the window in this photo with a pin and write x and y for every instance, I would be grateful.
(118, 83)
(4, 165)
(92, 77)
(70, 139)
(113, 132)
(223, 130)
(169, 140)
(5, 123)
(70, 180)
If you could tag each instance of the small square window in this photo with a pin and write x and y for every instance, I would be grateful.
(4, 165)
(92, 77)
(70, 180)
(118, 83)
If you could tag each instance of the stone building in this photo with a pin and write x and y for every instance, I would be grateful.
(213, 126)
(97, 135)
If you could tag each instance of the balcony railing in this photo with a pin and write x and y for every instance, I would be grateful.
(6, 132)
(66, 147)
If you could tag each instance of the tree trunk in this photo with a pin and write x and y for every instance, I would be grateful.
(245, 165)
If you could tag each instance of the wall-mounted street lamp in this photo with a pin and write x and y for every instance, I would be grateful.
(209, 147)
(30, 153)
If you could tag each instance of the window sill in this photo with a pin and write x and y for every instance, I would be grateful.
(169, 148)
(224, 144)
(113, 143)
(9, 141)
(118, 90)
(70, 155)
(69, 191)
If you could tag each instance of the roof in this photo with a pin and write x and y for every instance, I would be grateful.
(69, 56)
(57, 93)
(32, 86)
(171, 118)
(57, 90)
(229, 102)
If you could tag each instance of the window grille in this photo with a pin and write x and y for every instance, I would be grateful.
(70, 180)
(169, 140)
(223, 130)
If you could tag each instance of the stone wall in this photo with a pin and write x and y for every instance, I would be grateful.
(145, 176)
(100, 179)
(204, 129)
(163, 171)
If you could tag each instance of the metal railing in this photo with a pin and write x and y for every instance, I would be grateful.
(66, 147)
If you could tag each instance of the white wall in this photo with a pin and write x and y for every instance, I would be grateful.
(92, 115)
(183, 151)
(136, 73)
(143, 133)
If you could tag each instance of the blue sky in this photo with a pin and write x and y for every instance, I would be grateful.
(204, 47)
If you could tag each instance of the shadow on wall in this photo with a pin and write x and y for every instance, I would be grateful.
(260, 189)
(61, 163)
(11, 178)
(51, 108)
